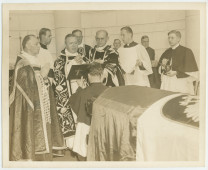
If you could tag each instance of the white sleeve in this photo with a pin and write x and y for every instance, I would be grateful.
(144, 57)
(195, 74)
(51, 60)
(159, 70)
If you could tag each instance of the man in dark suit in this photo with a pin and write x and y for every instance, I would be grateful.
(154, 78)
(78, 103)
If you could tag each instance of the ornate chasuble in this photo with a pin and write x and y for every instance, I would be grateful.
(62, 94)
(85, 52)
(32, 116)
(110, 59)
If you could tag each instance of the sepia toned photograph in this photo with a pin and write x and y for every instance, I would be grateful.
(88, 85)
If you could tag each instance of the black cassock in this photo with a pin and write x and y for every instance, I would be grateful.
(154, 78)
(181, 60)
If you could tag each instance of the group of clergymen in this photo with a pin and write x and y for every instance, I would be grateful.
(48, 112)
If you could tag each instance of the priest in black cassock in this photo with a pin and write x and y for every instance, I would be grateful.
(83, 49)
(178, 66)
(154, 78)
(78, 103)
(104, 54)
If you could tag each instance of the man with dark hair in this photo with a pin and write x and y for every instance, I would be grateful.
(134, 60)
(45, 37)
(64, 88)
(178, 66)
(177, 33)
(154, 78)
(78, 103)
(145, 43)
(127, 29)
(45, 58)
(117, 44)
(34, 127)
(103, 53)
(83, 49)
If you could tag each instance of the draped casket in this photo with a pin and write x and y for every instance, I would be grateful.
(115, 126)
(114, 118)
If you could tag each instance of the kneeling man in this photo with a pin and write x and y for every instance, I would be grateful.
(78, 104)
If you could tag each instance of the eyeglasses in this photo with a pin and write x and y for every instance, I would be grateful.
(100, 39)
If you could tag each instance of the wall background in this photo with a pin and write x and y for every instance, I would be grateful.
(155, 24)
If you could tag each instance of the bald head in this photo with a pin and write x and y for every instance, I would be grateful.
(30, 44)
(103, 32)
(101, 38)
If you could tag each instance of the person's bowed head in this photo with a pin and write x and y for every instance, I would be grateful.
(95, 75)
(82, 83)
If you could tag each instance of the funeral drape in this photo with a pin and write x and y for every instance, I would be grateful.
(113, 128)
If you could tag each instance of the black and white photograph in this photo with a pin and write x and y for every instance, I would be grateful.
(104, 83)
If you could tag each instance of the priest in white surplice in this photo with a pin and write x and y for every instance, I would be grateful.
(134, 60)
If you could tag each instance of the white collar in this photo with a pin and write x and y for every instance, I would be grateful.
(70, 54)
(175, 46)
(81, 45)
(101, 48)
(130, 43)
(32, 59)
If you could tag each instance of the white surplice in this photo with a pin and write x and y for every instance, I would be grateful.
(44, 57)
(128, 58)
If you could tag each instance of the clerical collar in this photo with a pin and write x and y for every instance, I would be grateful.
(70, 54)
(33, 60)
(43, 46)
(132, 44)
(101, 48)
(175, 46)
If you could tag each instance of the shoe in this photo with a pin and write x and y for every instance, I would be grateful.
(81, 158)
